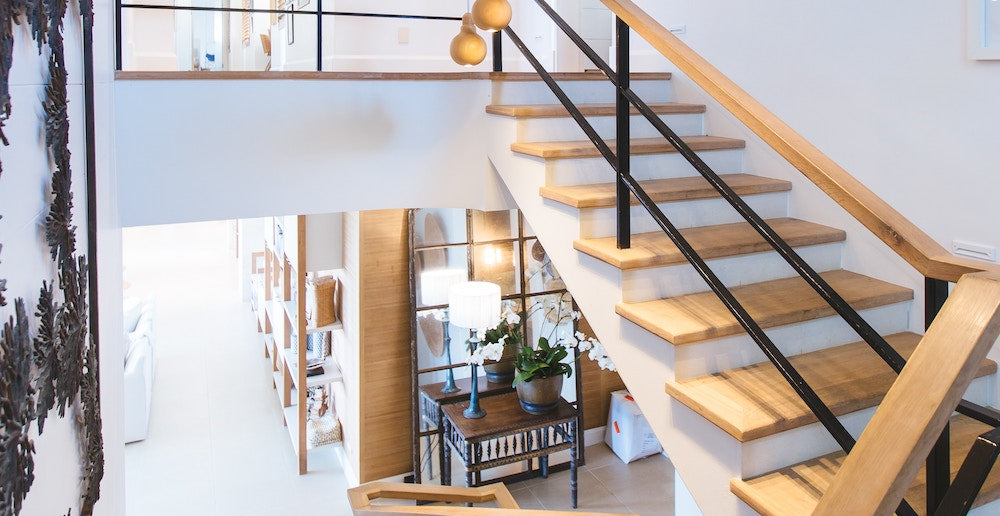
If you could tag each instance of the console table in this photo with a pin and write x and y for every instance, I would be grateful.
(507, 435)
(432, 399)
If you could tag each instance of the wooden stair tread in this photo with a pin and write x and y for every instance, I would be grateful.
(701, 316)
(656, 249)
(586, 149)
(577, 76)
(602, 195)
(797, 489)
(557, 110)
(755, 401)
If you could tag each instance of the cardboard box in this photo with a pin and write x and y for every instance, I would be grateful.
(628, 433)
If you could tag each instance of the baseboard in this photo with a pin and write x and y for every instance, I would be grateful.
(592, 436)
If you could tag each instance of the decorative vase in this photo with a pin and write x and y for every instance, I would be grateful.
(502, 371)
(540, 395)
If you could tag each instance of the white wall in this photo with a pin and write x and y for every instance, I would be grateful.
(884, 89)
(25, 263)
(210, 150)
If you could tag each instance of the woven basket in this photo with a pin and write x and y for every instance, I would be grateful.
(321, 300)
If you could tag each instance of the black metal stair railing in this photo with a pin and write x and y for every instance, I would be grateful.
(627, 184)
(942, 498)
(867, 333)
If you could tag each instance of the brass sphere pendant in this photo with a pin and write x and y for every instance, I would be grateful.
(468, 48)
(491, 15)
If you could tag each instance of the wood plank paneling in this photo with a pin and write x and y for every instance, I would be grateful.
(384, 304)
(598, 385)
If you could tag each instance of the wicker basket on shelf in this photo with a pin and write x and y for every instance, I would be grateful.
(321, 300)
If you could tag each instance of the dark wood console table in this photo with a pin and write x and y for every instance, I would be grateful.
(432, 400)
(507, 435)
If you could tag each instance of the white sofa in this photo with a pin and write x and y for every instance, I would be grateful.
(140, 366)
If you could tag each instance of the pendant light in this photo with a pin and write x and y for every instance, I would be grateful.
(491, 15)
(468, 48)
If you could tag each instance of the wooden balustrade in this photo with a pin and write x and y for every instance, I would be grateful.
(362, 496)
(913, 413)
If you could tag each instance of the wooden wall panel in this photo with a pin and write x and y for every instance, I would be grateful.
(597, 387)
(384, 303)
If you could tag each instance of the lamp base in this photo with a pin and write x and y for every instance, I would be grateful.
(473, 413)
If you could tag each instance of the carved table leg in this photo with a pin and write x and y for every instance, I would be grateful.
(442, 445)
(572, 463)
(543, 461)
(445, 452)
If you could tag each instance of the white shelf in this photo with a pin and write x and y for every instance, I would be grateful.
(329, 327)
(269, 343)
(291, 415)
(292, 310)
(331, 371)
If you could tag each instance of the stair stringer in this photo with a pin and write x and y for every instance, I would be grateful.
(705, 456)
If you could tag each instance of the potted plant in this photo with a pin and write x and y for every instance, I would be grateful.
(507, 333)
(540, 368)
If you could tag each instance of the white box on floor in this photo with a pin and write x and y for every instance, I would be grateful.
(628, 433)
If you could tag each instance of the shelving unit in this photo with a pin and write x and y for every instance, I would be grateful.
(293, 246)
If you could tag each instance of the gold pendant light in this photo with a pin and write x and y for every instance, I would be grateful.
(468, 48)
(491, 15)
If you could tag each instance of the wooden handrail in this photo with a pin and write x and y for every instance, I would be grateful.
(907, 240)
(879, 469)
(362, 496)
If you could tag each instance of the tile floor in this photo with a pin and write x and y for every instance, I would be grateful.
(216, 443)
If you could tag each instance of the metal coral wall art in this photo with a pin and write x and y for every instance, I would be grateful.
(57, 369)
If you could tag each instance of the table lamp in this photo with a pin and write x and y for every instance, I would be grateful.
(434, 285)
(474, 305)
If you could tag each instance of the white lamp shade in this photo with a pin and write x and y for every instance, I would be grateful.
(434, 285)
(474, 304)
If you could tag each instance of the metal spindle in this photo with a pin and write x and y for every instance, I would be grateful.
(623, 199)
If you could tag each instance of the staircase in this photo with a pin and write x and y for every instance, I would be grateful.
(741, 440)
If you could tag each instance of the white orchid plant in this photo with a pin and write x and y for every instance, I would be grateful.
(506, 331)
(544, 358)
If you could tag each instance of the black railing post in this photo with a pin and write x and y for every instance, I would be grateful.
(971, 475)
(319, 35)
(624, 198)
(938, 469)
(118, 35)
(497, 52)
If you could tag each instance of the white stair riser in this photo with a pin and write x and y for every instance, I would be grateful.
(989, 509)
(677, 280)
(715, 355)
(587, 171)
(566, 129)
(580, 92)
(601, 222)
(807, 442)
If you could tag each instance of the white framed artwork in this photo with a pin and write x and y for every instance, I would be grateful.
(983, 34)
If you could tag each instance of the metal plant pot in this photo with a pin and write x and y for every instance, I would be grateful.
(540, 395)
(502, 371)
